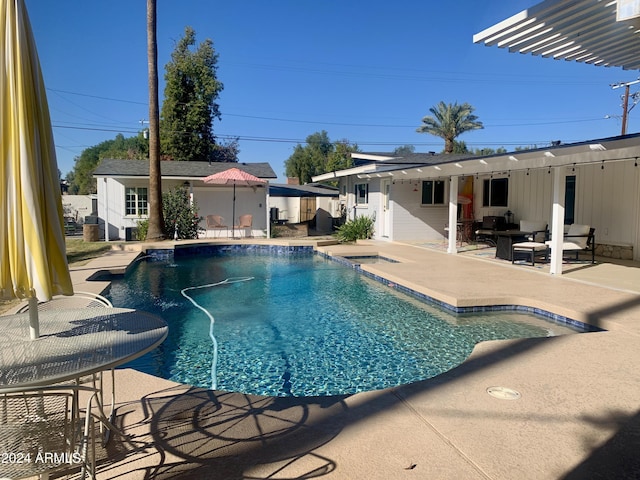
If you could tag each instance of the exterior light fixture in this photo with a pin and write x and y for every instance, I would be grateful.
(512, 158)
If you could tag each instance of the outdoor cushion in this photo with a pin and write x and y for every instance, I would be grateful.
(581, 241)
(537, 226)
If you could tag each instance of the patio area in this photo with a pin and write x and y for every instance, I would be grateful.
(577, 415)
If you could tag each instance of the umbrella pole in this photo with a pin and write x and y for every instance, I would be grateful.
(233, 213)
(34, 326)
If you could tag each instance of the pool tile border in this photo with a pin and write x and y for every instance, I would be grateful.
(187, 250)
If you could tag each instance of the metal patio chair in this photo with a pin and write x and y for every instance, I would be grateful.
(44, 430)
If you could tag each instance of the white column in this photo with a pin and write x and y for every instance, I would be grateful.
(557, 221)
(266, 199)
(106, 211)
(453, 214)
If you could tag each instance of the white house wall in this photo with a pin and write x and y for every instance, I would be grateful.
(288, 208)
(210, 200)
(217, 200)
(411, 220)
(530, 197)
(607, 199)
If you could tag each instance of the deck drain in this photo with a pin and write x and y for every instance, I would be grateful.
(503, 393)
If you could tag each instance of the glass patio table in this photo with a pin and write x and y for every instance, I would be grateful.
(74, 343)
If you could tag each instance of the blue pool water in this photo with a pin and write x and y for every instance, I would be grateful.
(300, 325)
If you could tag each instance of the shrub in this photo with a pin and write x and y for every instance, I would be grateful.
(180, 216)
(143, 228)
(360, 228)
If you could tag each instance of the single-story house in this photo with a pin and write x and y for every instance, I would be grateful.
(414, 197)
(123, 185)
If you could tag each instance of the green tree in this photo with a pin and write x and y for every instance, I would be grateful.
(81, 181)
(448, 121)
(189, 107)
(404, 150)
(318, 156)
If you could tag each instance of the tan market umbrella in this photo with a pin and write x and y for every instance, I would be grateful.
(234, 176)
(33, 262)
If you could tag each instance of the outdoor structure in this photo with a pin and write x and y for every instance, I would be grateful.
(413, 198)
(304, 203)
(123, 188)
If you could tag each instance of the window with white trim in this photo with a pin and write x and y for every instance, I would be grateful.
(362, 193)
(495, 192)
(433, 192)
(136, 201)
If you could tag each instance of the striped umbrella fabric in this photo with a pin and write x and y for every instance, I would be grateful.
(33, 262)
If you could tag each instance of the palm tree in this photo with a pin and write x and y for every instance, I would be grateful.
(449, 121)
(156, 222)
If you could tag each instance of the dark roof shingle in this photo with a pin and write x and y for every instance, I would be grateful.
(110, 167)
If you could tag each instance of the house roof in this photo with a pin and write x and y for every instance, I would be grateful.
(440, 166)
(281, 190)
(591, 31)
(188, 170)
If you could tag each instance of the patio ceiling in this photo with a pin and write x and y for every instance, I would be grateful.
(586, 31)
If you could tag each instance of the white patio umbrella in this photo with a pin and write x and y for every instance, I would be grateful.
(234, 176)
(33, 262)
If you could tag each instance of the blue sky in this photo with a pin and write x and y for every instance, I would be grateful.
(294, 67)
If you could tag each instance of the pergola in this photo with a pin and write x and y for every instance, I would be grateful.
(599, 32)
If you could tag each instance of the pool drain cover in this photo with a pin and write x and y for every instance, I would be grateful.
(503, 393)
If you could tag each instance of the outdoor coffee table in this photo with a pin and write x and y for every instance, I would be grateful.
(504, 241)
(73, 344)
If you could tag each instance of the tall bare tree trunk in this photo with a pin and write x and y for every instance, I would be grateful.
(156, 222)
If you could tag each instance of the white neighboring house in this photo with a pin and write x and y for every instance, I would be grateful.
(414, 197)
(123, 193)
(77, 207)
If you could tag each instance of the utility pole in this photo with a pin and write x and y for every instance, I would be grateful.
(625, 101)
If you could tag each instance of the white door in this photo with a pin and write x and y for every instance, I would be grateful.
(385, 187)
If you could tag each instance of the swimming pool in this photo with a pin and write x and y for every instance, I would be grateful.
(300, 325)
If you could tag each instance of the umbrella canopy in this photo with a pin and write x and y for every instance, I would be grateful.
(234, 176)
(33, 262)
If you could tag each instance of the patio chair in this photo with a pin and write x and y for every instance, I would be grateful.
(245, 223)
(43, 430)
(79, 299)
(579, 238)
(216, 223)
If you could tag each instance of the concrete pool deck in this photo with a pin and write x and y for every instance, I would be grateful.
(577, 415)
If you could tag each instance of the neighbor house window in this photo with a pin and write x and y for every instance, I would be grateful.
(433, 192)
(362, 193)
(495, 192)
(136, 201)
